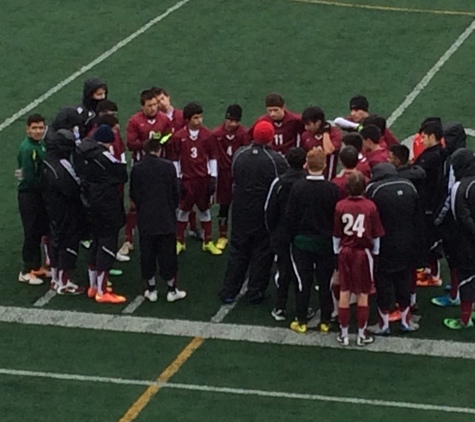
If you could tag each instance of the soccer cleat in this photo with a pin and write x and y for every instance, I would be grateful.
(395, 316)
(30, 278)
(310, 313)
(221, 243)
(41, 272)
(70, 288)
(175, 295)
(406, 329)
(211, 248)
(324, 328)
(114, 273)
(344, 341)
(378, 331)
(126, 248)
(180, 247)
(447, 287)
(279, 314)
(151, 295)
(86, 244)
(110, 297)
(445, 301)
(122, 258)
(457, 324)
(91, 292)
(427, 280)
(364, 340)
(298, 328)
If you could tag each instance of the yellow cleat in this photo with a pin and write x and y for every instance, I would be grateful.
(221, 243)
(298, 328)
(211, 248)
(324, 328)
(180, 247)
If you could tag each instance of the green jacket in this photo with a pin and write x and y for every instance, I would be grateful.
(30, 156)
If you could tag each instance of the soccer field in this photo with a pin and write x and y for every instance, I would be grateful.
(71, 359)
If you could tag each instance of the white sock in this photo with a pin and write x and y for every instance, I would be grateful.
(63, 277)
(92, 278)
(344, 331)
(405, 317)
(101, 282)
(152, 282)
(54, 275)
(361, 332)
(383, 319)
(413, 299)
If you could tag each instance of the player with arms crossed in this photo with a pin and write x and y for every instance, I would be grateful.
(356, 235)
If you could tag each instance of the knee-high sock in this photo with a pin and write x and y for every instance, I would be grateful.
(466, 308)
(414, 289)
(130, 224)
(406, 317)
(92, 278)
(434, 266)
(383, 319)
(344, 320)
(192, 220)
(102, 278)
(207, 231)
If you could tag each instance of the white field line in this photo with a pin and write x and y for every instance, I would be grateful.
(90, 65)
(45, 299)
(232, 332)
(430, 75)
(133, 306)
(470, 132)
(240, 391)
(224, 311)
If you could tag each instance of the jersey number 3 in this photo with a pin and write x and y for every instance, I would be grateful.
(194, 152)
(353, 225)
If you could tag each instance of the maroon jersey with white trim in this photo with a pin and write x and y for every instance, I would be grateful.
(176, 120)
(227, 143)
(377, 156)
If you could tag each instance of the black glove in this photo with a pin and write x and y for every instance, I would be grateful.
(212, 186)
(325, 127)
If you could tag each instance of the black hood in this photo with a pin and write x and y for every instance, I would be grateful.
(413, 173)
(463, 163)
(62, 144)
(455, 137)
(67, 118)
(383, 171)
(91, 85)
(89, 147)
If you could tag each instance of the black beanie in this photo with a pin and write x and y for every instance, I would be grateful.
(359, 103)
(234, 112)
(104, 134)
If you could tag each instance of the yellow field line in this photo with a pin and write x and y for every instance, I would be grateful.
(389, 8)
(164, 377)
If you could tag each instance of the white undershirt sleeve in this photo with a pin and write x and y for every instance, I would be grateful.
(376, 245)
(345, 124)
(336, 245)
(213, 168)
(178, 168)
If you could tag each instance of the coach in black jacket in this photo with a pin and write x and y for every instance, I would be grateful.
(154, 191)
(254, 168)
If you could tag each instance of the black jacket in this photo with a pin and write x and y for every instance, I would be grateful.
(276, 206)
(415, 174)
(398, 205)
(254, 168)
(68, 118)
(154, 191)
(88, 107)
(101, 175)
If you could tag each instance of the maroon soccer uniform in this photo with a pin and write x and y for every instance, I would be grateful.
(389, 138)
(340, 181)
(226, 144)
(357, 224)
(377, 156)
(141, 127)
(287, 131)
(177, 122)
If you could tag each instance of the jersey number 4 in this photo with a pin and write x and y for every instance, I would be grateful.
(229, 151)
(353, 225)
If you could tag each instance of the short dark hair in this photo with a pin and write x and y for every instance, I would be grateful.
(433, 128)
(107, 119)
(354, 139)
(275, 100)
(428, 120)
(349, 157)
(372, 133)
(159, 91)
(356, 184)
(106, 105)
(35, 118)
(191, 109)
(146, 95)
(296, 157)
(377, 120)
(152, 145)
(401, 152)
(313, 115)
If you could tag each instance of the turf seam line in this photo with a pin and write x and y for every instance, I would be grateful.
(134, 305)
(90, 65)
(161, 383)
(45, 299)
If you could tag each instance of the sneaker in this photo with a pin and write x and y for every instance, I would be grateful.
(114, 273)
(344, 341)
(405, 329)
(364, 340)
(180, 247)
(324, 328)
(395, 316)
(298, 328)
(30, 278)
(211, 248)
(91, 292)
(86, 244)
(445, 301)
(70, 288)
(378, 331)
(457, 324)
(175, 295)
(151, 295)
(126, 248)
(197, 235)
(54, 285)
(110, 297)
(310, 313)
(122, 258)
(447, 287)
(221, 243)
(279, 314)
(428, 280)
(41, 272)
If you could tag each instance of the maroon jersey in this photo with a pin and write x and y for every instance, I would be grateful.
(357, 223)
(340, 181)
(176, 119)
(227, 143)
(117, 149)
(389, 138)
(193, 152)
(377, 156)
(287, 131)
(140, 128)
(363, 166)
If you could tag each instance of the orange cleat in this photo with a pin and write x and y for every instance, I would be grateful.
(395, 316)
(91, 292)
(41, 272)
(428, 280)
(110, 298)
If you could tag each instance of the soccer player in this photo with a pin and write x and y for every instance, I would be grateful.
(288, 126)
(309, 219)
(155, 192)
(146, 124)
(398, 156)
(94, 90)
(30, 201)
(320, 133)
(254, 168)
(275, 208)
(197, 167)
(375, 154)
(355, 140)
(387, 138)
(356, 239)
(101, 175)
(164, 106)
(349, 161)
(228, 138)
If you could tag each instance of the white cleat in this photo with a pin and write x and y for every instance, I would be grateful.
(30, 279)
(126, 248)
(176, 295)
(151, 295)
(122, 258)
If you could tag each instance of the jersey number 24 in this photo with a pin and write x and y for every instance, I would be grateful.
(353, 225)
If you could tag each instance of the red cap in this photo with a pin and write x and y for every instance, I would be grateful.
(263, 132)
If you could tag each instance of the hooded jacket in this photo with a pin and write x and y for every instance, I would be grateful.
(88, 108)
(68, 118)
(398, 205)
(415, 174)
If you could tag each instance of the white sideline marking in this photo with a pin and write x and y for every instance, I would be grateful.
(470, 132)
(90, 65)
(233, 332)
(224, 311)
(45, 299)
(430, 75)
(132, 306)
(239, 391)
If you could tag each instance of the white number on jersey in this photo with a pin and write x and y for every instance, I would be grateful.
(353, 225)
(194, 152)
(229, 151)
(279, 139)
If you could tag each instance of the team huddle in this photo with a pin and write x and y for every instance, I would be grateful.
(379, 226)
